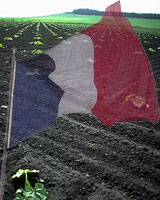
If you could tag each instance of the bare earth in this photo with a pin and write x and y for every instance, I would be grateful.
(80, 158)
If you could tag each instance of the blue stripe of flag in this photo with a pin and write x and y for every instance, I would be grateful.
(35, 99)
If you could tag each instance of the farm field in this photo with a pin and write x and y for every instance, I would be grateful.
(86, 19)
(79, 158)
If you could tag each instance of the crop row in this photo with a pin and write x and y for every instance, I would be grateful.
(33, 37)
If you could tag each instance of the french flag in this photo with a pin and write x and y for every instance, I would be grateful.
(101, 70)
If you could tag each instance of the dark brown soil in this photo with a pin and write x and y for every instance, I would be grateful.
(80, 158)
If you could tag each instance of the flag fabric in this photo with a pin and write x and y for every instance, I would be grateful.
(101, 70)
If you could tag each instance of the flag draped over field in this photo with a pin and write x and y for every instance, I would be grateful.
(102, 70)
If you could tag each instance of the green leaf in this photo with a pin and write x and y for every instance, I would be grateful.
(29, 193)
(8, 38)
(38, 42)
(1, 45)
(18, 197)
(37, 38)
(38, 35)
(60, 37)
(20, 172)
(152, 50)
(41, 180)
(20, 191)
(55, 34)
(146, 42)
(40, 191)
(37, 52)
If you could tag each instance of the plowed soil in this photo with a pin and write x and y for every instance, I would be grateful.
(79, 158)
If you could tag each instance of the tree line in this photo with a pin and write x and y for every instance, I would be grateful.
(82, 11)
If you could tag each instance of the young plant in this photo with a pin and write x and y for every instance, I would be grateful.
(16, 35)
(37, 51)
(28, 192)
(152, 50)
(146, 42)
(37, 43)
(8, 38)
(61, 38)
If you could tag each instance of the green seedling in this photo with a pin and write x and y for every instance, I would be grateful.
(61, 38)
(8, 38)
(37, 43)
(38, 192)
(152, 50)
(55, 34)
(16, 36)
(37, 51)
(38, 38)
(146, 42)
(38, 35)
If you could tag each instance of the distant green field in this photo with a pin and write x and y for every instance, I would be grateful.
(88, 19)
(71, 18)
(148, 23)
